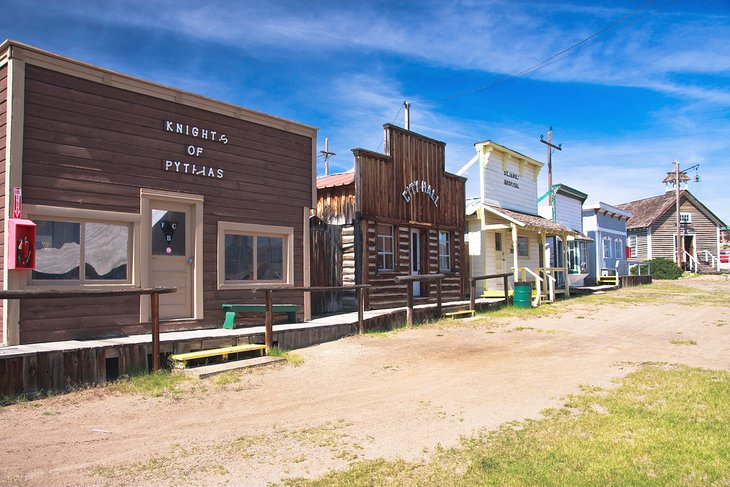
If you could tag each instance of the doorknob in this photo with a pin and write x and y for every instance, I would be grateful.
(189, 260)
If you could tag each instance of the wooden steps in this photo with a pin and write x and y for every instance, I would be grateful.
(460, 314)
(180, 360)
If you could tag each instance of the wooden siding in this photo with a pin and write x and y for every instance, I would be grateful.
(3, 139)
(410, 157)
(664, 229)
(93, 146)
(642, 244)
(336, 205)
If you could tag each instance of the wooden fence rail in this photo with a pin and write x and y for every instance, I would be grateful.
(154, 293)
(269, 299)
(423, 278)
(473, 287)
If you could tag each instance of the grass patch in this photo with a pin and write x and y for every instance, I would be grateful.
(661, 426)
(683, 342)
(293, 358)
(227, 377)
(153, 384)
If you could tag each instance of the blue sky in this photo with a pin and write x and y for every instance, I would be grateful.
(624, 104)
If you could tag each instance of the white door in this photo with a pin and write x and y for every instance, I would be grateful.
(416, 259)
(500, 265)
(171, 244)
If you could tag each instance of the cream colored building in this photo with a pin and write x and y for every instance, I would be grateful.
(505, 231)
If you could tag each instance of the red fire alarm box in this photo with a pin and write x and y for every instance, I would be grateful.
(21, 244)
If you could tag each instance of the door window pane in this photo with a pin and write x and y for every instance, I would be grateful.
(168, 232)
(58, 250)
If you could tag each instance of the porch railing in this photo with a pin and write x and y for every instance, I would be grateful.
(691, 261)
(711, 259)
(473, 287)
(409, 280)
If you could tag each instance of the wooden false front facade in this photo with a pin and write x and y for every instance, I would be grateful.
(134, 184)
(407, 218)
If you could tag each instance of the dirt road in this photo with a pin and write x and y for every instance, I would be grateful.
(395, 395)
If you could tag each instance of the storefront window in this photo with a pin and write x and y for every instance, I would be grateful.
(444, 251)
(254, 258)
(252, 254)
(385, 247)
(81, 251)
(577, 257)
(523, 247)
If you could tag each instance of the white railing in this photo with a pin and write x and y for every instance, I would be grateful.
(551, 274)
(711, 259)
(691, 261)
(538, 284)
(638, 266)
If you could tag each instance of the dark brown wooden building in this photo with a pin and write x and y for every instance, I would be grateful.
(130, 183)
(401, 213)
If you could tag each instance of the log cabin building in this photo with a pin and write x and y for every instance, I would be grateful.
(400, 213)
(128, 183)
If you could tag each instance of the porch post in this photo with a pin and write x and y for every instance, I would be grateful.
(565, 265)
(515, 260)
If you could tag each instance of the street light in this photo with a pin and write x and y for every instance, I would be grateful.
(677, 177)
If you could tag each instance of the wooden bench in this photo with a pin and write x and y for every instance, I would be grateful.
(462, 313)
(180, 360)
(232, 309)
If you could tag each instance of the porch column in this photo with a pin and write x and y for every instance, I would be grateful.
(565, 265)
(515, 260)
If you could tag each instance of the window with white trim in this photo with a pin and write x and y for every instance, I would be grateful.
(606, 247)
(82, 252)
(633, 245)
(444, 251)
(618, 248)
(386, 261)
(252, 255)
(685, 218)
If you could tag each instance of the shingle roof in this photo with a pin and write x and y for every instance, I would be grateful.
(341, 179)
(528, 220)
(646, 211)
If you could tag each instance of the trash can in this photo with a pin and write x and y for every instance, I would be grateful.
(523, 295)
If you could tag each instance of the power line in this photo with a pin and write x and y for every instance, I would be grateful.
(550, 60)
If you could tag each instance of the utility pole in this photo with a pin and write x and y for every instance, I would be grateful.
(407, 106)
(327, 155)
(678, 177)
(550, 147)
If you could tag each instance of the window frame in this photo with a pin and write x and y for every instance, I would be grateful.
(618, 249)
(527, 247)
(685, 217)
(632, 243)
(606, 250)
(380, 247)
(255, 230)
(83, 217)
(448, 254)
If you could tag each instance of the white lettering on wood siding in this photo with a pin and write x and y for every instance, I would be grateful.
(420, 187)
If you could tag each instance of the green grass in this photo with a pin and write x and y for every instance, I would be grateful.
(153, 384)
(662, 425)
(293, 358)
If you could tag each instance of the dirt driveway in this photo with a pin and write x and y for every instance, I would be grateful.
(395, 395)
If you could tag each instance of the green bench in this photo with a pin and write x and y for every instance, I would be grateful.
(180, 360)
(232, 309)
